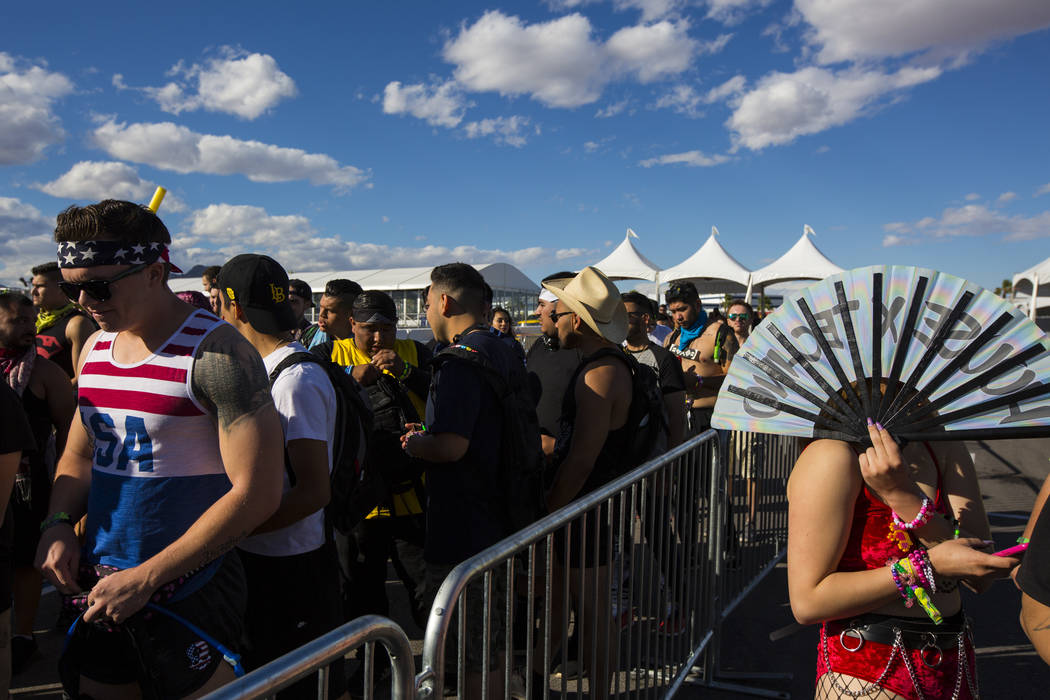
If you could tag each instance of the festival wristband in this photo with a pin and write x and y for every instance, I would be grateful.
(927, 605)
(405, 372)
(56, 519)
(1023, 540)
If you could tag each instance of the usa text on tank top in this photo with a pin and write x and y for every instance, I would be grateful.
(156, 464)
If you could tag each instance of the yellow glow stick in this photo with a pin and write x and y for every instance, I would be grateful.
(158, 197)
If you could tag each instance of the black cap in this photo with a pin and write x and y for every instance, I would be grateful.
(260, 286)
(302, 290)
(374, 307)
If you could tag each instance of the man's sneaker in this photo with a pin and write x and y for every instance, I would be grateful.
(23, 652)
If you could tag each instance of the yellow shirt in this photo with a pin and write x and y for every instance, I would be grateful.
(346, 354)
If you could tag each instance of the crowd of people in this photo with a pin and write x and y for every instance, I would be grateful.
(211, 480)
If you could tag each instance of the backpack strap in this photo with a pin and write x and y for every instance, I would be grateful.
(294, 359)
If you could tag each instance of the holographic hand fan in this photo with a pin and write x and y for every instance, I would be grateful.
(941, 359)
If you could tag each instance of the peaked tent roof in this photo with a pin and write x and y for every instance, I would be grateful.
(711, 268)
(626, 263)
(803, 261)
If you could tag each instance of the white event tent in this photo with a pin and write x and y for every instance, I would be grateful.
(626, 263)
(1029, 282)
(711, 269)
(803, 261)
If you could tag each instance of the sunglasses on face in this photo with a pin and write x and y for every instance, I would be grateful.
(555, 315)
(738, 317)
(97, 289)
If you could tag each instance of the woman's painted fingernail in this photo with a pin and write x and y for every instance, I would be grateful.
(878, 426)
(870, 422)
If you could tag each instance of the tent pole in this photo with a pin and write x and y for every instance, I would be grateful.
(747, 294)
(1035, 298)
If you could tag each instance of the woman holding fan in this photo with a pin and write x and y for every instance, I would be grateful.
(878, 539)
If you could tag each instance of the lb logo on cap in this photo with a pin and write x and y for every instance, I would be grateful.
(230, 295)
(277, 292)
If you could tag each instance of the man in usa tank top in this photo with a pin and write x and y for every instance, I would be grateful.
(177, 456)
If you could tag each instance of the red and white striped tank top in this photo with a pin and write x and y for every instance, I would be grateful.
(156, 462)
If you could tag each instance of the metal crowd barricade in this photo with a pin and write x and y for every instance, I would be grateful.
(318, 655)
(612, 594)
(753, 527)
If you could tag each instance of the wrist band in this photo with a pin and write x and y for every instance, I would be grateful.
(405, 372)
(56, 519)
(920, 519)
(901, 587)
(1023, 540)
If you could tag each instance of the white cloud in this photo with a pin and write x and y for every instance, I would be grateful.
(508, 130)
(650, 9)
(95, 181)
(28, 124)
(823, 149)
(569, 253)
(591, 146)
(732, 11)
(977, 220)
(653, 51)
(894, 240)
(560, 63)
(1006, 197)
(439, 105)
(859, 29)
(730, 88)
(683, 99)
(236, 82)
(784, 106)
(612, 109)
(172, 147)
(1045, 189)
(225, 230)
(25, 238)
(972, 197)
(691, 158)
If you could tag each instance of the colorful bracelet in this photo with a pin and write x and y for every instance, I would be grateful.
(56, 519)
(920, 519)
(920, 562)
(1023, 540)
(901, 587)
(927, 605)
(405, 372)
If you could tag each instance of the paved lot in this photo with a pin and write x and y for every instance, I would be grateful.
(761, 637)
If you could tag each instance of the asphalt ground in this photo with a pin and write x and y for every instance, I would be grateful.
(761, 637)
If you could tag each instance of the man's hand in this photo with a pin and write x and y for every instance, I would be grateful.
(366, 375)
(118, 596)
(58, 557)
(415, 430)
(390, 361)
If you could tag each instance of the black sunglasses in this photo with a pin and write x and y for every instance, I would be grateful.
(97, 289)
(555, 315)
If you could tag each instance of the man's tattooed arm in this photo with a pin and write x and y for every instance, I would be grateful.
(229, 378)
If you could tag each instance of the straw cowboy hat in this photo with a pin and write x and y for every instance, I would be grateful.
(596, 300)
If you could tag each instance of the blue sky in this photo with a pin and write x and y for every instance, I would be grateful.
(336, 136)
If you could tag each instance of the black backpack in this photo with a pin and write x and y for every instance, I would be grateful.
(393, 470)
(351, 496)
(520, 473)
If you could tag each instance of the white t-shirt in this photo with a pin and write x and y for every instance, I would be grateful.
(306, 403)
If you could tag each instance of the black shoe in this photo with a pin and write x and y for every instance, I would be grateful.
(23, 652)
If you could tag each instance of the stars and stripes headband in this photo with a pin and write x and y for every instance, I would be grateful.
(96, 253)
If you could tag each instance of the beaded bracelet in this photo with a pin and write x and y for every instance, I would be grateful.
(901, 587)
(920, 559)
(920, 519)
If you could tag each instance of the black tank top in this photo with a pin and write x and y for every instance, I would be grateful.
(33, 481)
(615, 457)
(53, 344)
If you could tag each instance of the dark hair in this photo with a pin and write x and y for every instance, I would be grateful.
(10, 298)
(751, 319)
(111, 219)
(564, 274)
(488, 294)
(374, 299)
(640, 299)
(48, 268)
(501, 310)
(661, 316)
(344, 291)
(681, 290)
(211, 272)
(462, 282)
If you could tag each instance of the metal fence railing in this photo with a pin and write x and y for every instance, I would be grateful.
(609, 595)
(316, 657)
(624, 591)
